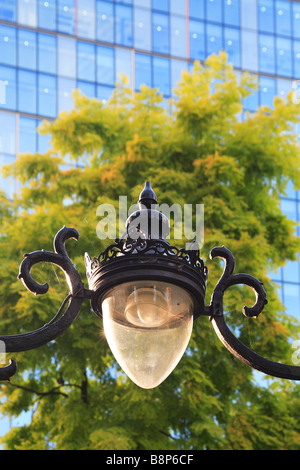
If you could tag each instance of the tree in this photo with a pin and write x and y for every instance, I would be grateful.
(195, 150)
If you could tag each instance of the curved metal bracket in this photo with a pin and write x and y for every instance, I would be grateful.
(233, 344)
(53, 329)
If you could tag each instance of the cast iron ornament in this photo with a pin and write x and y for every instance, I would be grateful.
(141, 258)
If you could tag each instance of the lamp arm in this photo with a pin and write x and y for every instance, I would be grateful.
(53, 329)
(230, 341)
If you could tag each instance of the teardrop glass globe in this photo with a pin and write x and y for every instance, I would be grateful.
(148, 325)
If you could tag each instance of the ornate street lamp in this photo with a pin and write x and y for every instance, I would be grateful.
(148, 294)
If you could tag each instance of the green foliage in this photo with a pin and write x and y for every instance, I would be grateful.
(196, 150)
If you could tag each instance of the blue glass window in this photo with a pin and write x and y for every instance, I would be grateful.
(267, 91)
(125, 2)
(161, 75)
(160, 33)
(104, 92)
(46, 95)
(249, 50)
(178, 36)
(86, 18)
(162, 5)
(27, 91)
(266, 53)
(87, 88)
(8, 77)
(66, 56)
(105, 21)
(27, 12)
(296, 59)
(283, 17)
(123, 25)
(142, 3)
(47, 14)
(249, 14)
(86, 61)
(266, 15)
(232, 46)
(105, 65)
(296, 19)
(232, 12)
(142, 29)
(47, 53)
(251, 103)
(177, 66)
(197, 40)
(214, 38)
(142, 70)
(177, 7)
(284, 57)
(27, 49)
(196, 9)
(214, 10)
(291, 299)
(66, 16)
(123, 63)
(8, 10)
(7, 133)
(27, 135)
(66, 86)
(7, 45)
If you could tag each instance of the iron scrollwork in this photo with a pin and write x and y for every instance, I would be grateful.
(77, 293)
(230, 341)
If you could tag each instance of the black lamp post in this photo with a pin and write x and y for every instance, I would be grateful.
(148, 294)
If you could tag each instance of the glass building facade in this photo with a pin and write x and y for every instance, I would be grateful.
(50, 47)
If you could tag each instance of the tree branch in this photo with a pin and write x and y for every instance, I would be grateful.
(53, 391)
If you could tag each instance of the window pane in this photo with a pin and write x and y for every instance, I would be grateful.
(291, 299)
(104, 92)
(162, 5)
(160, 33)
(232, 12)
(249, 14)
(142, 29)
(214, 10)
(27, 49)
(214, 39)
(47, 14)
(123, 64)
(161, 75)
(178, 36)
(66, 56)
(283, 17)
(86, 62)
(47, 95)
(47, 53)
(249, 51)
(296, 19)
(88, 89)
(177, 66)
(66, 16)
(232, 46)
(251, 103)
(66, 86)
(266, 15)
(196, 9)
(86, 18)
(177, 7)
(123, 25)
(197, 40)
(27, 91)
(297, 59)
(7, 133)
(267, 91)
(142, 3)
(291, 271)
(8, 76)
(266, 53)
(27, 135)
(105, 21)
(105, 65)
(7, 45)
(142, 70)
(8, 10)
(284, 56)
(27, 12)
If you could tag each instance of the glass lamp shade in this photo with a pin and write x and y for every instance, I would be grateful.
(148, 325)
